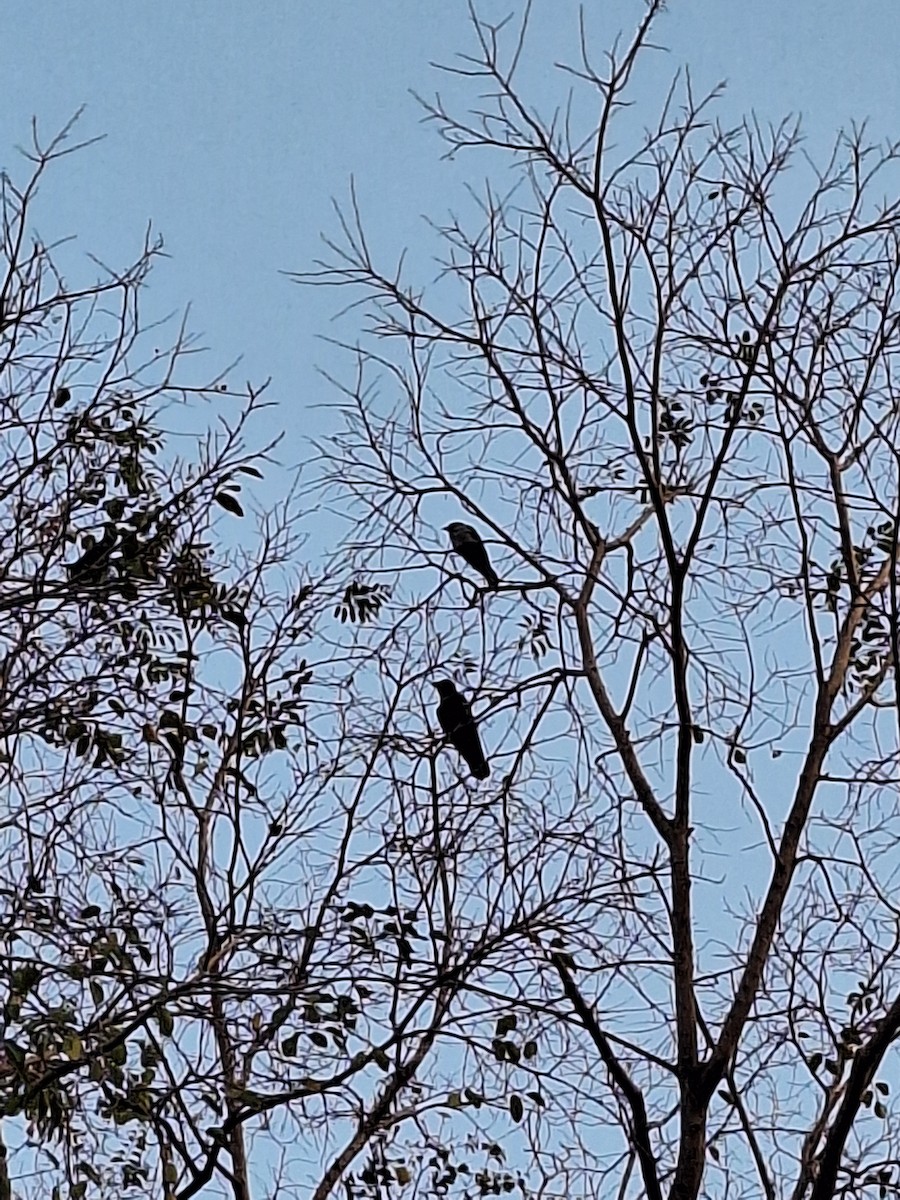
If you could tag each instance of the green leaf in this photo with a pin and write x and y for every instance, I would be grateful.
(166, 1021)
(72, 1047)
(454, 1100)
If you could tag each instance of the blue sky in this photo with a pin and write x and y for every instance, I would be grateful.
(231, 126)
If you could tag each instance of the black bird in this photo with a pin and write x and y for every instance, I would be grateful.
(468, 545)
(457, 722)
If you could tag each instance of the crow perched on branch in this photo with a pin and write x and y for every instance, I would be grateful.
(455, 717)
(467, 543)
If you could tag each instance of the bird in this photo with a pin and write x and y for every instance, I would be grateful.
(467, 543)
(455, 718)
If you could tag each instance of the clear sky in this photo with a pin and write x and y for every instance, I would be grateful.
(231, 126)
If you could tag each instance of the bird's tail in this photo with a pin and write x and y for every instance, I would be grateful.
(493, 580)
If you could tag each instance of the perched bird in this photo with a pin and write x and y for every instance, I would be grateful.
(455, 717)
(467, 543)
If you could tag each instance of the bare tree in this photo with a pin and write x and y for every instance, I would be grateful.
(661, 389)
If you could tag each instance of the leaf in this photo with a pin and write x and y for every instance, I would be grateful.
(740, 757)
(251, 471)
(92, 910)
(454, 1100)
(506, 1025)
(516, 1108)
(880, 1110)
(72, 1047)
(289, 1045)
(165, 1020)
(883, 1088)
(529, 1050)
(229, 503)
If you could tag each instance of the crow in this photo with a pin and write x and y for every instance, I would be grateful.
(455, 718)
(467, 543)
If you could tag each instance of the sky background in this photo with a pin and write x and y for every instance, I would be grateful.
(232, 127)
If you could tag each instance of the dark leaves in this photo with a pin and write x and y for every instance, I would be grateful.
(361, 602)
(229, 503)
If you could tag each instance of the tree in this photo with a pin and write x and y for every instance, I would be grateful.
(220, 959)
(664, 391)
(173, 963)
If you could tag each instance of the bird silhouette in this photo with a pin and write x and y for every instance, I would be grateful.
(467, 543)
(456, 720)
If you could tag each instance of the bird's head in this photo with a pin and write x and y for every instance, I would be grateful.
(445, 687)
